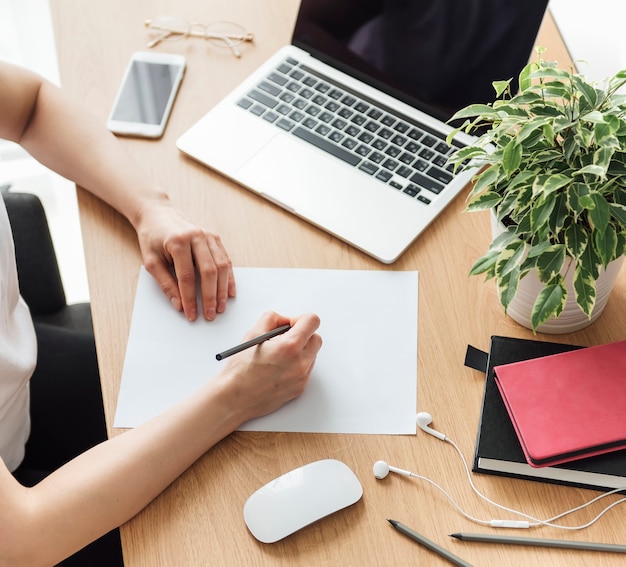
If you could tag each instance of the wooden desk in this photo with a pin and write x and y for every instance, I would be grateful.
(199, 520)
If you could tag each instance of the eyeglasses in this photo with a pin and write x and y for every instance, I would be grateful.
(222, 34)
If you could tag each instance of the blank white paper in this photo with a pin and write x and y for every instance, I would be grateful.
(365, 376)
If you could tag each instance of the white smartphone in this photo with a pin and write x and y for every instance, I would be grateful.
(146, 95)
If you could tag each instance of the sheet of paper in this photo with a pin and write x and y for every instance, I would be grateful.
(365, 376)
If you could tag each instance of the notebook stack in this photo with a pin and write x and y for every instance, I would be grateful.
(553, 412)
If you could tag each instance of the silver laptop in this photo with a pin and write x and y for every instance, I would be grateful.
(346, 127)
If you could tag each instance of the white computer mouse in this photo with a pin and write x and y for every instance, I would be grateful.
(299, 498)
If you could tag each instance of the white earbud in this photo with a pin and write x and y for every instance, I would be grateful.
(424, 419)
(382, 469)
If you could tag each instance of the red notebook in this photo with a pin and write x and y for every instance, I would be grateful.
(567, 406)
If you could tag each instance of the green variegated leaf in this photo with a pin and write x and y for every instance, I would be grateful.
(507, 287)
(548, 183)
(599, 213)
(550, 302)
(549, 264)
(584, 290)
(576, 239)
(591, 169)
(501, 87)
(540, 211)
(484, 201)
(510, 258)
(475, 110)
(605, 244)
(511, 157)
(618, 212)
(484, 263)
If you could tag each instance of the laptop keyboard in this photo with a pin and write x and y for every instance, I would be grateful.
(395, 150)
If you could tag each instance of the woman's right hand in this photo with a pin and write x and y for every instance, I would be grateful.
(263, 378)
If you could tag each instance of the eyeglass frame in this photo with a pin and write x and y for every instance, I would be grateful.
(190, 32)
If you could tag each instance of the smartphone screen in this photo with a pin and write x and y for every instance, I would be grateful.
(145, 97)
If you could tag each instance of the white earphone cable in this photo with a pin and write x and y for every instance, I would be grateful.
(536, 521)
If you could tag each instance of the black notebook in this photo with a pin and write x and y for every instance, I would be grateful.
(498, 450)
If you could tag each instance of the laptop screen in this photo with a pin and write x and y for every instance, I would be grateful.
(436, 55)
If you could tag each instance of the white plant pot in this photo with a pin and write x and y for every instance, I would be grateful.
(573, 318)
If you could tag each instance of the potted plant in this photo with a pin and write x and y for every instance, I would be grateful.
(552, 162)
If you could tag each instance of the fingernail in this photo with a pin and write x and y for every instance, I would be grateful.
(221, 306)
(175, 303)
(210, 314)
(191, 316)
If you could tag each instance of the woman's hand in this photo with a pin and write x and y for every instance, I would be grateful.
(263, 378)
(168, 240)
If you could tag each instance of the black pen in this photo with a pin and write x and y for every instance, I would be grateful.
(429, 544)
(253, 342)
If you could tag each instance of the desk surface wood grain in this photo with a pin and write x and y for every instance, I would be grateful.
(199, 520)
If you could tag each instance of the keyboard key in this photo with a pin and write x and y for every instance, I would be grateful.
(427, 154)
(319, 100)
(395, 185)
(287, 97)
(442, 148)
(377, 157)
(385, 133)
(361, 107)
(332, 106)
(406, 158)
(427, 183)
(349, 143)
(441, 161)
(309, 81)
(429, 141)
(358, 119)
(412, 147)
(306, 93)
(322, 87)
(313, 110)
(393, 151)
(414, 134)
(336, 94)
(325, 145)
(322, 129)
(384, 175)
(297, 75)
(293, 87)
(244, 103)
(269, 88)
(366, 138)
(270, 116)
(368, 167)
(379, 144)
(285, 124)
(352, 131)
(296, 116)
(423, 199)
(283, 109)
(257, 109)
(335, 136)
(363, 150)
(345, 113)
(278, 79)
(412, 189)
(348, 100)
(388, 120)
(390, 164)
(326, 116)
(300, 103)
(309, 123)
(374, 113)
(258, 96)
(372, 126)
(401, 127)
(340, 124)
(439, 175)
(404, 171)
(398, 140)
(284, 68)
(420, 165)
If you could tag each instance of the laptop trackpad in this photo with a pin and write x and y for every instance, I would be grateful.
(318, 187)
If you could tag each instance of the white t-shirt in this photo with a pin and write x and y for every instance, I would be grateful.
(18, 353)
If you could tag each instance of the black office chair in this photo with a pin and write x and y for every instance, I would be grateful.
(37, 267)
